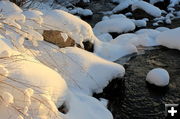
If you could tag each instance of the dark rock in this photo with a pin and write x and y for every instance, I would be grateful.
(162, 5)
(81, 4)
(140, 14)
(88, 46)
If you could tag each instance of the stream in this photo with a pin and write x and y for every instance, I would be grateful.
(132, 97)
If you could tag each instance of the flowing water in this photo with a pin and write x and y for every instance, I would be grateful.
(132, 97)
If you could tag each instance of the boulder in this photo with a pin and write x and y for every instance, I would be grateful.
(56, 38)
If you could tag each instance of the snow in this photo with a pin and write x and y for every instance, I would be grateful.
(128, 38)
(81, 11)
(39, 77)
(113, 52)
(170, 38)
(118, 25)
(174, 2)
(140, 23)
(122, 6)
(155, 1)
(106, 37)
(161, 29)
(79, 67)
(7, 98)
(158, 77)
(34, 16)
(3, 70)
(9, 8)
(147, 37)
(150, 9)
(73, 26)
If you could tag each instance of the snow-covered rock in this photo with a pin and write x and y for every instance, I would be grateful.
(150, 9)
(140, 23)
(147, 37)
(124, 39)
(158, 77)
(123, 5)
(119, 25)
(113, 52)
(170, 38)
(78, 66)
(161, 29)
(73, 26)
(106, 37)
(81, 11)
(8, 7)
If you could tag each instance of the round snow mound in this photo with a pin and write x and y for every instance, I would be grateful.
(158, 77)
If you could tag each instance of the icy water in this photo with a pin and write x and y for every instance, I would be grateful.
(133, 98)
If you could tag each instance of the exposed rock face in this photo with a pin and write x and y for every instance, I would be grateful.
(56, 38)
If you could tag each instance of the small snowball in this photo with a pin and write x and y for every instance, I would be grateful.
(158, 77)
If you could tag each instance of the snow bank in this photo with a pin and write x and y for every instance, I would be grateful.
(9, 8)
(158, 77)
(21, 82)
(170, 38)
(33, 18)
(43, 89)
(81, 69)
(150, 9)
(118, 25)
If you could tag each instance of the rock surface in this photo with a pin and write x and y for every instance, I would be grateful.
(56, 38)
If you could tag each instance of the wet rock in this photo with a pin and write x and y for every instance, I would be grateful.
(56, 38)
(88, 46)
(81, 4)
(162, 5)
(140, 14)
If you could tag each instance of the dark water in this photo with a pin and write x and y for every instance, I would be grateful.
(133, 98)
